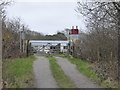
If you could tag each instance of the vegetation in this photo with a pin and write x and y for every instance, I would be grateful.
(62, 80)
(11, 34)
(32, 35)
(58, 36)
(18, 73)
(89, 70)
(100, 44)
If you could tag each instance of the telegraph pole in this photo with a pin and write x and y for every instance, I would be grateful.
(20, 42)
(23, 38)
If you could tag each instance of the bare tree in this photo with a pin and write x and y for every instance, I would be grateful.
(101, 44)
(2, 14)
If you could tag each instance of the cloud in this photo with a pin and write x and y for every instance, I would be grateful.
(46, 17)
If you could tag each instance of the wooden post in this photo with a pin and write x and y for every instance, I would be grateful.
(118, 47)
(27, 46)
(73, 51)
(0, 52)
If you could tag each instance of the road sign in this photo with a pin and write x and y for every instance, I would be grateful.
(74, 31)
(23, 35)
(74, 36)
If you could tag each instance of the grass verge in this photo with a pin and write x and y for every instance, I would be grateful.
(83, 67)
(18, 73)
(62, 80)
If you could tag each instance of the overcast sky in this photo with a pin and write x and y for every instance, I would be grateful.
(47, 17)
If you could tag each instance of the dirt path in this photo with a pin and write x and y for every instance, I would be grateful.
(43, 75)
(79, 79)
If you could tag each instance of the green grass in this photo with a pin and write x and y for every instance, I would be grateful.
(82, 66)
(62, 80)
(18, 73)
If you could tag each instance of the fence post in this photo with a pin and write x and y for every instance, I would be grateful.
(0, 52)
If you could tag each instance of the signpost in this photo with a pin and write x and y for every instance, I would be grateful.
(73, 36)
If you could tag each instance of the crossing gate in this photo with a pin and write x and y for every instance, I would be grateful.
(40, 47)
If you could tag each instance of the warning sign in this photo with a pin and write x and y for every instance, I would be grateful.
(74, 36)
(74, 31)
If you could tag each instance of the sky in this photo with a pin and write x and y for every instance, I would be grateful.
(47, 17)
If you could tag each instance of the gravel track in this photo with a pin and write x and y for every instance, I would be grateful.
(78, 79)
(43, 74)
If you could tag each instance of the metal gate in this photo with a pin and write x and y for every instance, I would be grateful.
(48, 47)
